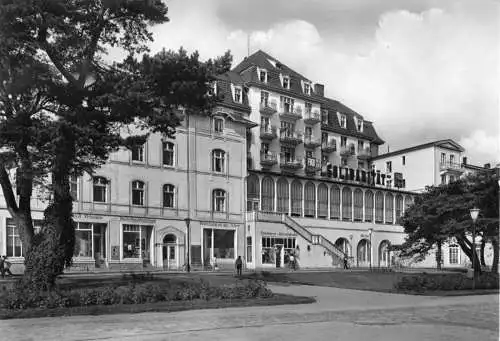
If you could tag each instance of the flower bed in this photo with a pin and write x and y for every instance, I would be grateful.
(22, 298)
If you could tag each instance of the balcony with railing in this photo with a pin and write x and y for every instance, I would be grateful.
(268, 133)
(290, 163)
(290, 137)
(348, 150)
(329, 146)
(450, 167)
(312, 165)
(311, 142)
(364, 153)
(268, 108)
(289, 112)
(268, 159)
(312, 117)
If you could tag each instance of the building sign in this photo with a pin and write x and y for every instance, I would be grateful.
(140, 220)
(278, 234)
(115, 252)
(86, 216)
(213, 225)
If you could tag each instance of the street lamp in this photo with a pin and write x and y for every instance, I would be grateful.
(370, 231)
(474, 212)
(188, 221)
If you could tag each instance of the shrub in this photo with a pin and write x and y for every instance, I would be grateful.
(456, 281)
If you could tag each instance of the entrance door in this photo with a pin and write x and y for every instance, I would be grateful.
(169, 252)
(279, 252)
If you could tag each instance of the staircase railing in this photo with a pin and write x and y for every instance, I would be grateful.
(303, 232)
(334, 250)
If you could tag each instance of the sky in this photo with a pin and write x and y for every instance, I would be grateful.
(420, 70)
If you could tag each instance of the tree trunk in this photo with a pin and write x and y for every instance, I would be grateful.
(483, 244)
(439, 253)
(466, 246)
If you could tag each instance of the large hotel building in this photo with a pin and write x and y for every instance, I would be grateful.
(278, 168)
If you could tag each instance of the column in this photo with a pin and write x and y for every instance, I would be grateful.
(340, 197)
(289, 197)
(275, 195)
(260, 194)
(363, 203)
(303, 199)
(212, 248)
(383, 207)
(316, 201)
(328, 201)
(352, 204)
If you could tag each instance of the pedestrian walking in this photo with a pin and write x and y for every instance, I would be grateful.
(346, 264)
(239, 265)
(292, 261)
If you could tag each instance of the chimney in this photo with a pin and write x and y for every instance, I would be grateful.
(487, 165)
(464, 160)
(319, 89)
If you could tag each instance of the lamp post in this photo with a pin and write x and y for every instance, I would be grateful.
(188, 265)
(370, 231)
(474, 212)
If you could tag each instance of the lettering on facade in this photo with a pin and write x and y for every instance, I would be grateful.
(283, 234)
(86, 216)
(141, 220)
(212, 225)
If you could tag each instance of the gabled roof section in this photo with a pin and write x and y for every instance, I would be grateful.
(448, 144)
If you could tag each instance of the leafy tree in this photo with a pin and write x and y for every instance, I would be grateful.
(442, 212)
(72, 112)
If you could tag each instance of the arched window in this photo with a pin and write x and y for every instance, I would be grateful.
(335, 202)
(253, 193)
(384, 258)
(296, 198)
(368, 205)
(168, 153)
(310, 200)
(100, 185)
(344, 245)
(399, 207)
(138, 193)
(389, 207)
(379, 207)
(346, 203)
(322, 201)
(168, 195)
(408, 201)
(268, 194)
(363, 252)
(219, 200)
(218, 161)
(358, 205)
(283, 196)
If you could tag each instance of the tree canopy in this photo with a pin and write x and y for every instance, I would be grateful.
(442, 213)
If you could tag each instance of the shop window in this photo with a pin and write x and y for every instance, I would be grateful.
(223, 244)
(99, 189)
(168, 153)
(83, 240)
(138, 193)
(269, 245)
(131, 241)
(14, 244)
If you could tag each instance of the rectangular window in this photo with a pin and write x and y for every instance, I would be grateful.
(287, 153)
(263, 76)
(324, 116)
(218, 125)
(308, 132)
(343, 121)
(249, 249)
(138, 153)
(99, 189)
(83, 240)
(265, 122)
(343, 141)
(264, 98)
(361, 146)
(361, 164)
(453, 253)
(359, 125)
(443, 158)
(343, 161)
(388, 166)
(307, 88)
(131, 241)
(403, 160)
(286, 82)
(443, 179)
(264, 148)
(14, 244)
(452, 159)
(168, 154)
(309, 107)
(218, 161)
(287, 103)
(237, 95)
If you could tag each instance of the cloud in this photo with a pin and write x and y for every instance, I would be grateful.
(487, 147)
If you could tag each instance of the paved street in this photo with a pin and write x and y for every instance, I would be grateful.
(340, 314)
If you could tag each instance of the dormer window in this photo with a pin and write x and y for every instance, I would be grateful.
(343, 121)
(237, 94)
(286, 82)
(263, 75)
(359, 125)
(324, 116)
(307, 88)
(212, 89)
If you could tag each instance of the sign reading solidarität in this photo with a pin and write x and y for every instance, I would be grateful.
(86, 216)
(213, 225)
(283, 234)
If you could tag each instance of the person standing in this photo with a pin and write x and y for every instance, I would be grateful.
(239, 265)
(292, 261)
(346, 264)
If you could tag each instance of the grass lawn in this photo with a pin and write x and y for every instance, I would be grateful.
(357, 280)
(95, 281)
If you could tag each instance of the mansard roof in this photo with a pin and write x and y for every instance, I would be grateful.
(223, 89)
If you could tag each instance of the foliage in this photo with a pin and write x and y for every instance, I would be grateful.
(432, 282)
(441, 213)
(24, 297)
(63, 109)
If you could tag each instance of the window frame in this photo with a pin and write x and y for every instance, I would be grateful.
(455, 254)
(221, 158)
(164, 192)
(286, 82)
(141, 190)
(142, 154)
(218, 128)
(103, 186)
(307, 88)
(343, 121)
(265, 73)
(238, 94)
(219, 196)
(164, 150)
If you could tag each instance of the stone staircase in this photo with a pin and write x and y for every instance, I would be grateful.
(316, 239)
